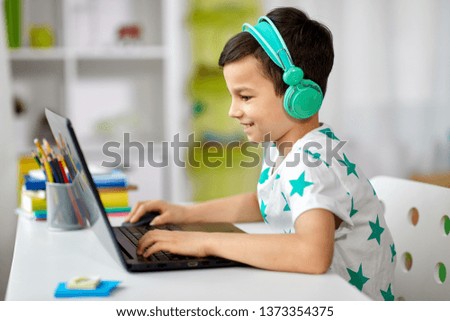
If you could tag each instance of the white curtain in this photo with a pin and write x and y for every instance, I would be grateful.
(389, 91)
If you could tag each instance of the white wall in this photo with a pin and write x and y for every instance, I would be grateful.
(7, 166)
(389, 90)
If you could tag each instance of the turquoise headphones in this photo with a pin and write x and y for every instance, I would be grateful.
(303, 97)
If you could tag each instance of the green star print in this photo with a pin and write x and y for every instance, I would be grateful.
(387, 295)
(376, 230)
(351, 167)
(299, 185)
(286, 207)
(263, 211)
(393, 252)
(264, 176)
(329, 133)
(353, 211)
(357, 278)
(316, 156)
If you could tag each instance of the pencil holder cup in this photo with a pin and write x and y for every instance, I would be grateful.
(65, 210)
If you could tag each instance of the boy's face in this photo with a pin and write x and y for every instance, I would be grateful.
(255, 104)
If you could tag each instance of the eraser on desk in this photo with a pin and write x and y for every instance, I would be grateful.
(104, 288)
(83, 283)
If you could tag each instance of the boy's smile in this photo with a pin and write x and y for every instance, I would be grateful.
(255, 104)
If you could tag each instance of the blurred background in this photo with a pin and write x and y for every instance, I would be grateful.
(149, 68)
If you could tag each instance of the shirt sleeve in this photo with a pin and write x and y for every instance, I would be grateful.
(314, 187)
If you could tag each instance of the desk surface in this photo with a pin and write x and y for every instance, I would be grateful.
(42, 259)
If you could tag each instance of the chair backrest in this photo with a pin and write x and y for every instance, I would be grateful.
(418, 216)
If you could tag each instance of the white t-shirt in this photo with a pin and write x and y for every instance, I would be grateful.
(318, 173)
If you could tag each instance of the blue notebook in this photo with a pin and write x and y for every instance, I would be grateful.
(114, 179)
(34, 184)
(103, 289)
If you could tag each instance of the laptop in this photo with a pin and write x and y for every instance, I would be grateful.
(120, 241)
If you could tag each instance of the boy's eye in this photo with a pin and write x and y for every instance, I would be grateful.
(246, 98)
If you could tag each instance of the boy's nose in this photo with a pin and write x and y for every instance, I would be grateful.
(235, 111)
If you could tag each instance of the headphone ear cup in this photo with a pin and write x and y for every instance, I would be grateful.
(287, 102)
(304, 100)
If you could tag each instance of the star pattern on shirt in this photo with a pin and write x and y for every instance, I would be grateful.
(286, 207)
(351, 167)
(329, 133)
(393, 252)
(353, 210)
(387, 295)
(316, 156)
(376, 230)
(263, 211)
(357, 279)
(264, 176)
(303, 182)
(299, 184)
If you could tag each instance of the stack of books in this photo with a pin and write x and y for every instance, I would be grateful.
(113, 189)
(33, 204)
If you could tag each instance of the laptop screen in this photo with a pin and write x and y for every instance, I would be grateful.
(87, 197)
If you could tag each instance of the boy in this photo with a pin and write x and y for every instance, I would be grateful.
(325, 210)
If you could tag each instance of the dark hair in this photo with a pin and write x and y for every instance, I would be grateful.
(310, 44)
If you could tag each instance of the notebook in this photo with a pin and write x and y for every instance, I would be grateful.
(121, 241)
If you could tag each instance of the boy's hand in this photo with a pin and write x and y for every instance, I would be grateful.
(170, 213)
(176, 242)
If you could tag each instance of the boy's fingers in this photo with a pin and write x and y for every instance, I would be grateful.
(149, 240)
(135, 213)
(160, 219)
(132, 212)
(143, 207)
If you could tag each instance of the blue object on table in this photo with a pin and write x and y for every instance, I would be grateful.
(103, 289)
(34, 184)
(114, 179)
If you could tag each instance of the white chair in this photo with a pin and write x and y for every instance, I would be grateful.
(418, 216)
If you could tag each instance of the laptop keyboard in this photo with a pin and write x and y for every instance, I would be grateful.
(135, 233)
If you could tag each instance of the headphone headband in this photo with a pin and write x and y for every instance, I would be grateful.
(272, 41)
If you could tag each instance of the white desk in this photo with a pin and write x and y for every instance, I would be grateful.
(42, 259)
